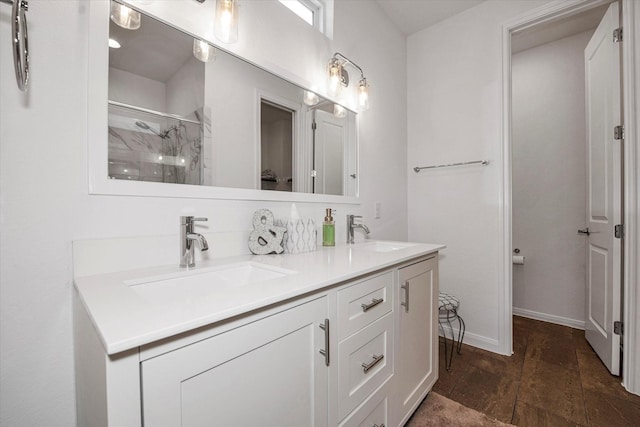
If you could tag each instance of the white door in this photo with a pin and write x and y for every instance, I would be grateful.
(329, 153)
(417, 335)
(602, 68)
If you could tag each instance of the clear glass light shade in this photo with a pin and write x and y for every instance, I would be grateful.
(339, 111)
(335, 77)
(310, 98)
(124, 16)
(226, 21)
(203, 51)
(363, 95)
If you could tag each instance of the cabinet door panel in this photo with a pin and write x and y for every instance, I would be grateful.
(417, 341)
(267, 373)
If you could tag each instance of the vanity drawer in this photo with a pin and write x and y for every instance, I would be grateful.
(365, 362)
(373, 412)
(364, 302)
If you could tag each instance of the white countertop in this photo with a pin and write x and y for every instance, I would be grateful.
(126, 318)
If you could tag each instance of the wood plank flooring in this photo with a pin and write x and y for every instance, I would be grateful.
(553, 379)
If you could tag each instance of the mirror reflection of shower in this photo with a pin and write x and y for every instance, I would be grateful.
(150, 146)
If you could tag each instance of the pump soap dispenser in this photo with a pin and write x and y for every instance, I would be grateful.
(328, 230)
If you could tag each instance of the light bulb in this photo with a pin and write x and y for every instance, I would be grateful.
(310, 98)
(226, 21)
(363, 95)
(203, 51)
(124, 16)
(339, 111)
(114, 44)
(335, 77)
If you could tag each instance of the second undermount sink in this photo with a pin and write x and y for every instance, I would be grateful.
(199, 282)
(383, 246)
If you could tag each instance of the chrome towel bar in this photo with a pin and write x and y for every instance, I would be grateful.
(20, 41)
(482, 162)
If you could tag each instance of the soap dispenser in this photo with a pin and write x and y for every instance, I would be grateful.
(328, 230)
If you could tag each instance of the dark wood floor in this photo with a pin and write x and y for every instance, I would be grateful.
(553, 379)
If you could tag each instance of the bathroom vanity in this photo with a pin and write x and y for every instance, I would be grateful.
(341, 336)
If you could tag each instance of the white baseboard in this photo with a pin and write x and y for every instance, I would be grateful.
(475, 340)
(558, 320)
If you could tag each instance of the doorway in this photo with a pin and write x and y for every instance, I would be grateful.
(549, 171)
(543, 177)
(276, 146)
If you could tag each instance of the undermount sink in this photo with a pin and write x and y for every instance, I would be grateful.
(385, 246)
(200, 282)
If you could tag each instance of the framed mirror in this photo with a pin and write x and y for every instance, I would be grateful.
(180, 117)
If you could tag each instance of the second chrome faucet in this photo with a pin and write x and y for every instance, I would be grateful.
(188, 239)
(351, 225)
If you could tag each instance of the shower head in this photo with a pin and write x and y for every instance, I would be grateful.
(144, 126)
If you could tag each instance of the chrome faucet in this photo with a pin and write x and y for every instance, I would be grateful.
(187, 239)
(351, 225)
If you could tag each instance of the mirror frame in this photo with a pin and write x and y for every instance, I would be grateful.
(97, 119)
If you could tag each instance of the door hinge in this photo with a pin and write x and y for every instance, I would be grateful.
(618, 132)
(618, 327)
(617, 35)
(313, 126)
(618, 231)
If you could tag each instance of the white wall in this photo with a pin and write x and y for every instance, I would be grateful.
(549, 180)
(454, 103)
(44, 188)
(184, 89)
(148, 93)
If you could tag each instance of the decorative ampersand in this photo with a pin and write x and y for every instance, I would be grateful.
(266, 238)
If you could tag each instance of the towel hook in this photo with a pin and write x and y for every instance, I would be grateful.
(20, 41)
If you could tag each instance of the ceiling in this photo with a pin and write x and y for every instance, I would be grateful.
(411, 16)
(155, 50)
(557, 29)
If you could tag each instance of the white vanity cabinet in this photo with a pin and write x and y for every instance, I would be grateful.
(266, 373)
(357, 350)
(417, 334)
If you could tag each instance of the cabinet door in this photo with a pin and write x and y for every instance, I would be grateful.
(266, 373)
(417, 351)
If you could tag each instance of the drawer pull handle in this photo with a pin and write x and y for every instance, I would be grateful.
(378, 425)
(405, 304)
(366, 367)
(325, 351)
(373, 303)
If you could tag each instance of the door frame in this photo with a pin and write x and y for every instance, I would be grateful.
(631, 184)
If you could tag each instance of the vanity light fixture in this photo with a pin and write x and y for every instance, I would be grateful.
(226, 21)
(339, 77)
(124, 16)
(311, 98)
(203, 51)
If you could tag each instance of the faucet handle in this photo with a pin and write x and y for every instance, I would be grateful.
(186, 220)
